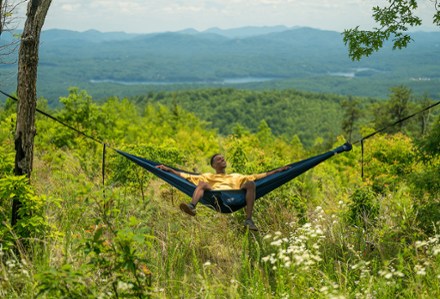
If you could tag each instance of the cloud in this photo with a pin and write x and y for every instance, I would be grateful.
(172, 15)
(69, 7)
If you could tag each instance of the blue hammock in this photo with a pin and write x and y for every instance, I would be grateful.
(228, 201)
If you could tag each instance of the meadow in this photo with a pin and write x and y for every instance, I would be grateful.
(117, 232)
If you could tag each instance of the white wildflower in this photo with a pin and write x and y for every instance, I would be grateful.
(267, 236)
(124, 286)
(432, 240)
(317, 258)
(358, 265)
(385, 273)
(420, 243)
(307, 225)
(420, 270)
(25, 272)
(266, 258)
(277, 242)
(10, 264)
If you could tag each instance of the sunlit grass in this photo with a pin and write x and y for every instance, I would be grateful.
(326, 234)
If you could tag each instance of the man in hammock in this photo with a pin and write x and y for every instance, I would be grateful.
(222, 181)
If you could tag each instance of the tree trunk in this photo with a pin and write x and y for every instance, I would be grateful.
(1, 17)
(27, 91)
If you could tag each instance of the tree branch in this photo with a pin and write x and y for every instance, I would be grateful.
(394, 21)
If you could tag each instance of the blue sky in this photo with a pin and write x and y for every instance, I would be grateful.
(144, 16)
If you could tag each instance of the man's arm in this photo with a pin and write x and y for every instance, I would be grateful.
(169, 169)
(283, 168)
(265, 174)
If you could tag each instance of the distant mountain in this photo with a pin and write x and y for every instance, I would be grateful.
(118, 63)
(247, 31)
(54, 35)
(98, 36)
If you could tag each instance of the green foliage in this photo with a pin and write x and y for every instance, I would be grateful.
(288, 113)
(399, 105)
(352, 114)
(388, 160)
(238, 159)
(325, 234)
(430, 145)
(7, 157)
(32, 222)
(363, 209)
(393, 22)
(64, 282)
(426, 181)
(124, 268)
(428, 217)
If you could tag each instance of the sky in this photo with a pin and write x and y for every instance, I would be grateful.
(146, 16)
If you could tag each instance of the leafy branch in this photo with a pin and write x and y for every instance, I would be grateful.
(394, 22)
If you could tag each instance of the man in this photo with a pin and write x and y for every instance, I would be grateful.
(220, 180)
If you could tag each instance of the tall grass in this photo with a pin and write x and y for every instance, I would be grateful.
(321, 236)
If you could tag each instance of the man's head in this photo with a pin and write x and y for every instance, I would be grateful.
(218, 162)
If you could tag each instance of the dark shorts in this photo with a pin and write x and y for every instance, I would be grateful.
(227, 201)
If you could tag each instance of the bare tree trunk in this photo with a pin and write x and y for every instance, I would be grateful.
(1, 17)
(27, 91)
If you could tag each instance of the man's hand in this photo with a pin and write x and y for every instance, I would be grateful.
(163, 167)
(168, 169)
(284, 168)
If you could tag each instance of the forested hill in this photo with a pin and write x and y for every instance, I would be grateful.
(307, 59)
(286, 113)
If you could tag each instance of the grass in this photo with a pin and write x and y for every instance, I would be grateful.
(114, 242)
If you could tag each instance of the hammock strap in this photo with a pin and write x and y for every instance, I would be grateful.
(103, 168)
(361, 140)
(57, 120)
(82, 133)
(397, 122)
(362, 158)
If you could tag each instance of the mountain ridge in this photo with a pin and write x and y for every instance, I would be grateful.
(119, 63)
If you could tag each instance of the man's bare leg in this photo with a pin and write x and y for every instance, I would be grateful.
(199, 192)
(190, 208)
(250, 189)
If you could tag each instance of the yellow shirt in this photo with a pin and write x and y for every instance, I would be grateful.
(220, 181)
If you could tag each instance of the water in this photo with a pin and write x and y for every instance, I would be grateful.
(241, 80)
(353, 72)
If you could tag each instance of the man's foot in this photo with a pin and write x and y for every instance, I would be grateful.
(189, 208)
(250, 225)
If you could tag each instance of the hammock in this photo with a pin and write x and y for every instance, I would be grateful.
(228, 201)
